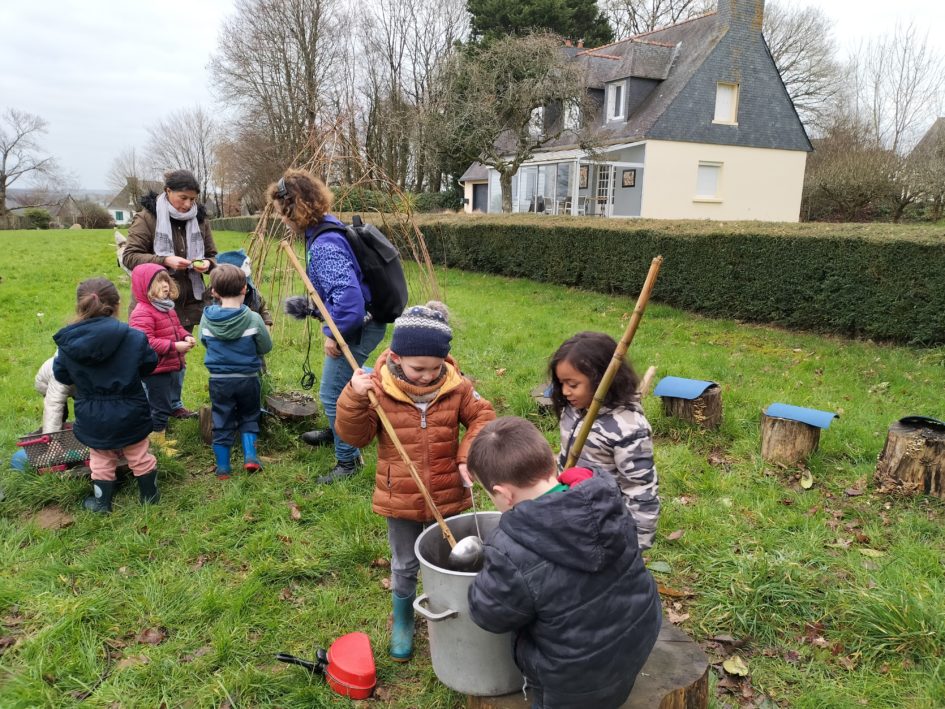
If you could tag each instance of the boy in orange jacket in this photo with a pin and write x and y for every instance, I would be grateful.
(426, 397)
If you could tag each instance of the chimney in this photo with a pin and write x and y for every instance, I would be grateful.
(580, 43)
(567, 43)
(745, 15)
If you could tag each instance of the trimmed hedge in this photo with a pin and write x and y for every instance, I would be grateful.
(886, 289)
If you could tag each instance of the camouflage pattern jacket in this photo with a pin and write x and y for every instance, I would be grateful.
(620, 443)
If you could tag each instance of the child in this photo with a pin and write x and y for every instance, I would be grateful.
(562, 571)
(55, 397)
(253, 300)
(426, 398)
(235, 337)
(154, 291)
(620, 441)
(105, 360)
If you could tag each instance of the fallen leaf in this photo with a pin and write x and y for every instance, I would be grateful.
(660, 567)
(807, 480)
(683, 499)
(294, 511)
(735, 666)
(718, 458)
(872, 553)
(500, 372)
(673, 593)
(676, 618)
(848, 663)
(152, 636)
(285, 594)
(386, 584)
(199, 562)
(819, 641)
(8, 641)
(380, 563)
(131, 661)
(862, 538)
(852, 492)
(673, 536)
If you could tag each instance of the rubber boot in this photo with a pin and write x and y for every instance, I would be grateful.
(159, 441)
(101, 499)
(343, 469)
(401, 634)
(148, 492)
(250, 460)
(222, 454)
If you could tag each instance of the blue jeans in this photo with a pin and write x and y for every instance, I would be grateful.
(336, 373)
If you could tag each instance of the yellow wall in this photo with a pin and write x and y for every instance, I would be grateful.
(755, 183)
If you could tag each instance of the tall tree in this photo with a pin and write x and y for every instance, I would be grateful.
(20, 152)
(185, 140)
(632, 17)
(491, 101)
(573, 19)
(128, 169)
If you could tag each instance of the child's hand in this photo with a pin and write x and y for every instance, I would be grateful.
(362, 382)
(191, 339)
(464, 474)
(184, 345)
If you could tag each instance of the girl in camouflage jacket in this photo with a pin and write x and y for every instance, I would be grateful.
(620, 441)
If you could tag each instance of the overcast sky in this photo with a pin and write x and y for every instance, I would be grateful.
(100, 72)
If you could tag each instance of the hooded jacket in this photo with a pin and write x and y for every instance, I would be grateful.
(105, 360)
(163, 330)
(234, 338)
(564, 573)
(140, 249)
(55, 396)
(430, 437)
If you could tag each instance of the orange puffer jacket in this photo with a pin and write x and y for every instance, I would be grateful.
(431, 440)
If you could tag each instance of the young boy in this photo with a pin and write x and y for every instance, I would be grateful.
(563, 571)
(235, 337)
(422, 392)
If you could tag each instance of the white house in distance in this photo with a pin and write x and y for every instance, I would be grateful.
(122, 206)
(694, 122)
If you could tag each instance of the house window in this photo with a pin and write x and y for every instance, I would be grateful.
(615, 102)
(119, 216)
(708, 178)
(726, 103)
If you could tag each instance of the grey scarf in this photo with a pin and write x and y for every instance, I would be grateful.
(164, 240)
(163, 304)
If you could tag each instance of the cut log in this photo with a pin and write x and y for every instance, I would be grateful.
(675, 676)
(787, 441)
(704, 411)
(291, 405)
(913, 460)
(206, 424)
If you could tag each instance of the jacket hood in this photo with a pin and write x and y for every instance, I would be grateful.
(149, 202)
(382, 374)
(227, 323)
(585, 527)
(141, 279)
(91, 341)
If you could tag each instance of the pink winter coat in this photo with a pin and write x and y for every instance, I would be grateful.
(163, 329)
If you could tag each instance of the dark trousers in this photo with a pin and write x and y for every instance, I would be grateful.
(234, 406)
(163, 390)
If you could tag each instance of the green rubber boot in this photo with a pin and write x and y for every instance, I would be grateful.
(401, 634)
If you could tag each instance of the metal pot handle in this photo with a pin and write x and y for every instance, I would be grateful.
(429, 615)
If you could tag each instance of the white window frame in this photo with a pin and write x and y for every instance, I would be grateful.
(712, 198)
(616, 110)
(731, 119)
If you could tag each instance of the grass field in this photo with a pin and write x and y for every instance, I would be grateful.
(831, 599)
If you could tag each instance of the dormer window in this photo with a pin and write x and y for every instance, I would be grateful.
(726, 103)
(615, 101)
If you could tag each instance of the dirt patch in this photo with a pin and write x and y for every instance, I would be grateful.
(53, 517)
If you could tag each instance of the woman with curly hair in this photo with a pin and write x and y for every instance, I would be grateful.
(303, 202)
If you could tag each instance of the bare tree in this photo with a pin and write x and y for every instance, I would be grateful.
(632, 17)
(128, 169)
(185, 140)
(801, 44)
(20, 152)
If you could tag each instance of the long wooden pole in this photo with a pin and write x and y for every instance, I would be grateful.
(615, 363)
(375, 404)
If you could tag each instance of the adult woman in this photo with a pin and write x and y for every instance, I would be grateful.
(303, 201)
(172, 230)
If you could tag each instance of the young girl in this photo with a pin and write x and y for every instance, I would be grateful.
(155, 291)
(105, 360)
(620, 441)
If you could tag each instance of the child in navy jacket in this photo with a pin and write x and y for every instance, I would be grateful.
(235, 337)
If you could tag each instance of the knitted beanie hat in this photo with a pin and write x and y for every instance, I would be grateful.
(422, 331)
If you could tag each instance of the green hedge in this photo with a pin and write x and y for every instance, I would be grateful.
(243, 224)
(886, 289)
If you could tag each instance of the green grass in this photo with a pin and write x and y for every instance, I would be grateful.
(232, 579)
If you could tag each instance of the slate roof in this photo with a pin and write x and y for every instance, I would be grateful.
(122, 200)
(477, 172)
(933, 137)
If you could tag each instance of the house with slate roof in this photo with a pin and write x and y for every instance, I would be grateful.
(123, 205)
(693, 122)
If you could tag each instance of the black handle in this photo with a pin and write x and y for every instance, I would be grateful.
(313, 667)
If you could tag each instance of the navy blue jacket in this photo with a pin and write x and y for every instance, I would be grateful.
(564, 573)
(105, 360)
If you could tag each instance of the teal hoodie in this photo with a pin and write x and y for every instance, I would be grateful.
(235, 338)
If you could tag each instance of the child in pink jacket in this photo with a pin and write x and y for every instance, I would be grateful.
(155, 291)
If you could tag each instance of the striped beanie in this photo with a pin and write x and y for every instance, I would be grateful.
(422, 331)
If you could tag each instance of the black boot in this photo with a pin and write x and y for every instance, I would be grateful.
(319, 437)
(148, 492)
(343, 469)
(101, 499)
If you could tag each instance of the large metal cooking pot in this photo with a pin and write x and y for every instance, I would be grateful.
(465, 657)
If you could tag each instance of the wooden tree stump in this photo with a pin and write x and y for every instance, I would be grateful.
(704, 411)
(913, 459)
(206, 424)
(787, 441)
(675, 676)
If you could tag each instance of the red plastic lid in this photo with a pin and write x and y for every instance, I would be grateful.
(351, 661)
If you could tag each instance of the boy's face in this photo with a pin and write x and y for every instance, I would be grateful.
(575, 385)
(419, 370)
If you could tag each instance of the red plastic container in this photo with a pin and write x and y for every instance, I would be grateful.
(351, 671)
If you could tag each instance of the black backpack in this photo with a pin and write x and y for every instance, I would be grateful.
(380, 264)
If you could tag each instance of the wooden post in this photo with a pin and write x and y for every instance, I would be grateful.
(913, 460)
(787, 441)
(704, 410)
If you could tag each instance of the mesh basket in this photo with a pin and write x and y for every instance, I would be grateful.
(57, 450)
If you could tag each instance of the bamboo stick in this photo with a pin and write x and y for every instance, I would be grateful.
(615, 363)
(375, 404)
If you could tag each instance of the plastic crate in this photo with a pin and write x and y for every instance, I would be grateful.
(54, 451)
